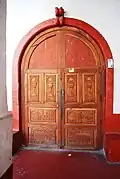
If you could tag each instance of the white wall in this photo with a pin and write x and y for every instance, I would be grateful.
(5, 144)
(104, 15)
(5, 118)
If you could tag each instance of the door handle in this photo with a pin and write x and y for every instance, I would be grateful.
(61, 102)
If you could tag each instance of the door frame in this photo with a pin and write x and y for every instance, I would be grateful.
(103, 45)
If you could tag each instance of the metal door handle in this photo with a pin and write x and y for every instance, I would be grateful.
(61, 102)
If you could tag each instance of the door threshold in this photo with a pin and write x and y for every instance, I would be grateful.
(37, 148)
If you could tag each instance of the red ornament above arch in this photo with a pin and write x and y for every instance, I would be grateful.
(59, 21)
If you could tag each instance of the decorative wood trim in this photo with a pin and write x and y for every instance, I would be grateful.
(59, 12)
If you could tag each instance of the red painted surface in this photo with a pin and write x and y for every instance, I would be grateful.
(57, 165)
(78, 58)
(113, 147)
(111, 121)
(40, 51)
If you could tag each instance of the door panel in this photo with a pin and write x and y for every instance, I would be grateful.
(79, 137)
(43, 135)
(51, 87)
(34, 88)
(81, 116)
(42, 107)
(80, 124)
(72, 87)
(89, 88)
(44, 49)
(78, 51)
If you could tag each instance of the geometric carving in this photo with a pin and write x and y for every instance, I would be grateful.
(80, 116)
(89, 88)
(42, 115)
(78, 138)
(42, 135)
(50, 84)
(71, 88)
(33, 88)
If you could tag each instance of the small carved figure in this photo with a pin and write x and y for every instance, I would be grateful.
(50, 89)
(71, 85)
(33, 87)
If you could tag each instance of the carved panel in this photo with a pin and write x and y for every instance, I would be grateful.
(81, 116)
(50, 87)
(89, 88)
(42, 115)
(76, 137)
(71, 88)
(33, 88)
(42, 135)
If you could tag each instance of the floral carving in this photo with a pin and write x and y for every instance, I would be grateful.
(82, 138)
(43, 115)
(71, 88)
(81, 116)
(34, 81)
(43, 135)
(89, 88)
(51, 88)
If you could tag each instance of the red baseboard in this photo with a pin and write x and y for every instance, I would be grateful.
(112, 147)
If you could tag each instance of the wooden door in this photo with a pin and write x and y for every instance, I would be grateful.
(42, 107)
(40, 90)
(81, 109)
(81, 83)
(61, 94)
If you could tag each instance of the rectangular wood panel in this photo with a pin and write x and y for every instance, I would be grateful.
(89, 83)
(80, 106)
(82, 116)
(33, 88)
(43, 135)
(77, 137)
(42, 107)
(43, 115)
(71, 88)
(51, 87)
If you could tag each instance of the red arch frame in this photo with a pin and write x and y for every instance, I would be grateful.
(108, 123)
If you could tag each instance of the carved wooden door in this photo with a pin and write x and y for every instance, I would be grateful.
(40, 78)
(61, 101)
(81, 113)
(81, 83)
(42, 106)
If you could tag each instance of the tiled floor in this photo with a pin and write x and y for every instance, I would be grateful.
(60, 165)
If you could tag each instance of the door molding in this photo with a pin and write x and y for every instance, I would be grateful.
(79, 24)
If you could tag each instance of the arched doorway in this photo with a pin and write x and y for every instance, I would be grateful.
(63, 95)
(61, 86)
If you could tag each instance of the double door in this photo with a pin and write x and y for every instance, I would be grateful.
(62, 96)
(62, 108)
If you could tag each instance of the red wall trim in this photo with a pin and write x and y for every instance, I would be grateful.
(111, 121)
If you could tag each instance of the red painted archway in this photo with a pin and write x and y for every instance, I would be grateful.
(109, 123)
